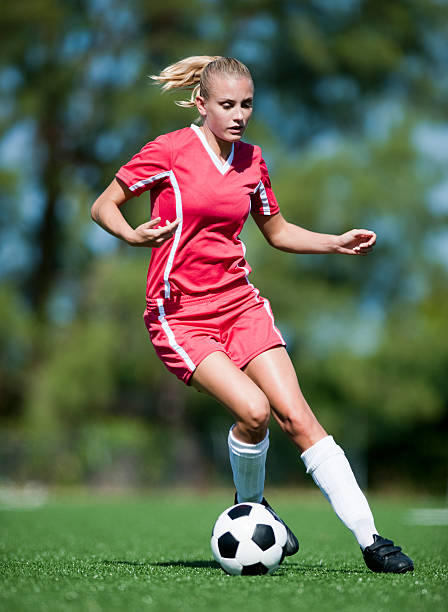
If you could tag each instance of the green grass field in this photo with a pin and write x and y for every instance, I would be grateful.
(94, 553)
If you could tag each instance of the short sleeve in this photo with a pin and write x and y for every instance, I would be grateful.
(148, 167)
(263, 200)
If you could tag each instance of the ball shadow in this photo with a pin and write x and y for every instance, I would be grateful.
(297, 568)
(190, 564)
(195, 564)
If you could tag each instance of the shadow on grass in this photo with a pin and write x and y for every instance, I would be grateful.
(198, 563)
(193, 564)
(134, 563)
(297, 568)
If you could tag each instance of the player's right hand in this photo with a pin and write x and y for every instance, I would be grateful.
(151, 234)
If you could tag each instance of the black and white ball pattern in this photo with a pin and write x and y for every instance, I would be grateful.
(248, 540)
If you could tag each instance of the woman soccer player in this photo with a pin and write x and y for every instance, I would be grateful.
(207, 322)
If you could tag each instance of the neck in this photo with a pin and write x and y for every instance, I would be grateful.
(222, 148)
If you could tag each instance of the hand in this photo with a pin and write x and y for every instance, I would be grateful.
(151, 234)
(356, 242)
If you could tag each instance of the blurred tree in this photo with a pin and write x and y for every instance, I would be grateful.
(69, 73)
(319, 64)
(60, 61)
(75, 102)
(367, 336)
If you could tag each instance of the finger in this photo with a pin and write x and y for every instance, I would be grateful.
(167, 230)
(168, 224)
(158, 236)
(174, 223)
(368, 235)
(153, 242)
(370, 239)
(152, 222)
(163, 229)
(366, 245)
(155, 236)
(171, 226)
(364, 232)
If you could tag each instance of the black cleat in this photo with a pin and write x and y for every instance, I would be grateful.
(384, 556)
(292, 543)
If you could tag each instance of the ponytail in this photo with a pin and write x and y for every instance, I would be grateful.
(195, 73)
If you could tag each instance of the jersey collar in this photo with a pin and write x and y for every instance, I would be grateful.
(222, 167)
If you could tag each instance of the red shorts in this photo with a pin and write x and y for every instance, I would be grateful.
(186, 329)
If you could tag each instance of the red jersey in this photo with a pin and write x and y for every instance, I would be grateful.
(211, 199)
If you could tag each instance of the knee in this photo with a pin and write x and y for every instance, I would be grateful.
(302, 427)
(255, 420)
(296, 425)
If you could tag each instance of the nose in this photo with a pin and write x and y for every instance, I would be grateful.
(238, 114)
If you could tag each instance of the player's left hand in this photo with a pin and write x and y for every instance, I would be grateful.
(356, 242)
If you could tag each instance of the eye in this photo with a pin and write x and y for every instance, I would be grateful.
(247, 104)
(226, 105)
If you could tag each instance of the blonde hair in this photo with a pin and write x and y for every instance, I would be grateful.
(196, 72)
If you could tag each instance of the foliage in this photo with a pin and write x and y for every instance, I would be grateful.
(350, 113)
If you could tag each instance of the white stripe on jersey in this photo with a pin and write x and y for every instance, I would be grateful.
(177, 234)
(171, 338)
(170, 174)
(144, 182)
(222, 167)
(264, 198)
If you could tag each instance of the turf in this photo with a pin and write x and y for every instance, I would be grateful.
(90, 553)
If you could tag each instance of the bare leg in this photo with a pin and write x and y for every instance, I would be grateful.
(269, 380)
(218, 376)
(273, 372)
(248, 439)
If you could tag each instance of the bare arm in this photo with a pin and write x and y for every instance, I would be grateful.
(295, 239)
(106, 212)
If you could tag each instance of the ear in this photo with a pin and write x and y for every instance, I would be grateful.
(200, 103)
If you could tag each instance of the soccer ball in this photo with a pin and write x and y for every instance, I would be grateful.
(248, 540)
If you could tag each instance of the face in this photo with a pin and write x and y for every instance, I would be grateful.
(227, 110)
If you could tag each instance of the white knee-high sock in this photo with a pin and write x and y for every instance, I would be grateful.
(331, 471)
(248, 467)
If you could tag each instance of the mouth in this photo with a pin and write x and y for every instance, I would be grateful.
(236, 129)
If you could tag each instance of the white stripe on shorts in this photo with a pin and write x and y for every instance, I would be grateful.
(267, 307)
(171, 338)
